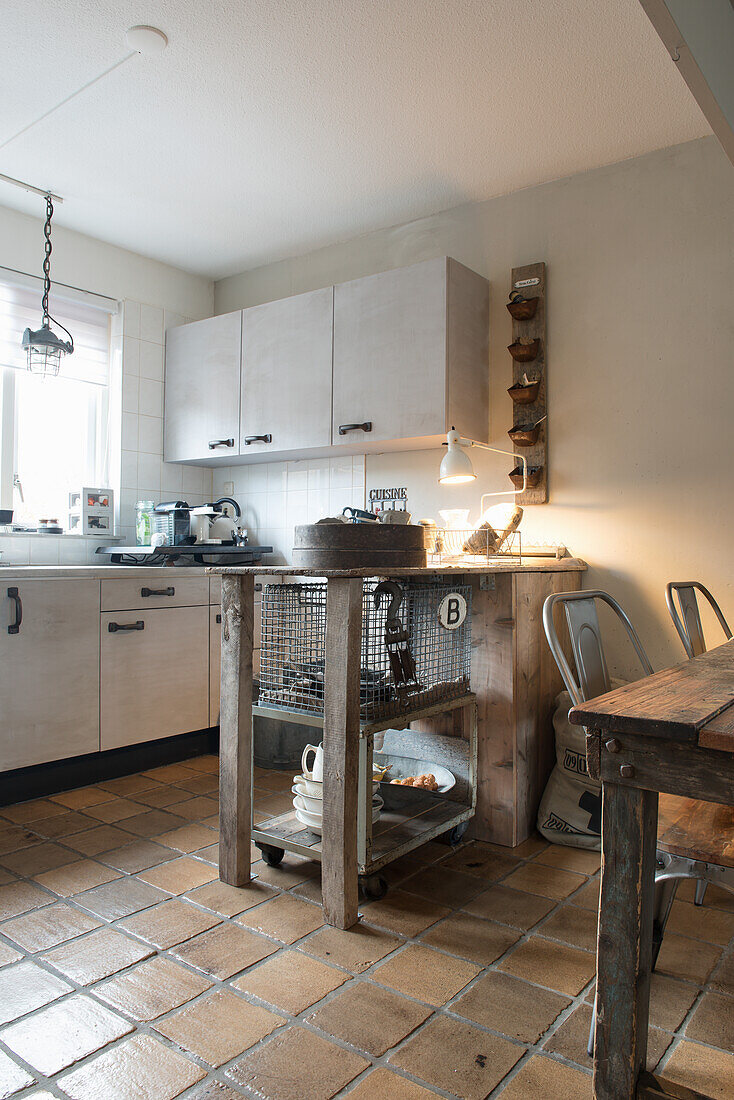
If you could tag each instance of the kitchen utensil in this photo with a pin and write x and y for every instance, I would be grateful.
(317, 772)
(402, 665)
(359, 515)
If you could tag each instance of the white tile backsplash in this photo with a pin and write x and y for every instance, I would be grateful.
(130, 386)
(150, 397)
(131, 319)
(151, 323)
(129, 431)
(130, 356)
(151, 360)
(150, 435)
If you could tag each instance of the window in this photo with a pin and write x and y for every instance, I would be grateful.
(53, 431)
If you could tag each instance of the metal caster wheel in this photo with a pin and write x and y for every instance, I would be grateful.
(456, 835)
(373, 887)
(272, 856)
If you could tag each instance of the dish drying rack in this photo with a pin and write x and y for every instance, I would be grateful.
(471, 545)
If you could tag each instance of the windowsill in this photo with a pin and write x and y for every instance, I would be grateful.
(66, 536)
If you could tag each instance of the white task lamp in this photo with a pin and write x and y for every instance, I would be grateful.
(456, 466)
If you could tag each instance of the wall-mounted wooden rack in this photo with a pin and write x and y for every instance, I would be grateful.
(529, 330)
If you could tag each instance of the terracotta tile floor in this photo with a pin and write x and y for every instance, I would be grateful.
(128, 971)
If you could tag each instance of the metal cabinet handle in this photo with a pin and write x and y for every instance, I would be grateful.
(219, 618)
(220, 443)
(366, 426)
(13, 594)
(258, 439)
(144, 592)
(114, 627)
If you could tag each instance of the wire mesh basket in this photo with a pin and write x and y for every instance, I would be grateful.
(293, 642)
(472, 545)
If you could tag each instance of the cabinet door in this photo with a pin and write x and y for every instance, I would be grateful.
(49, 671)
(286, 373)
(155, 676)
(202, 388)
(215, 653)
(390, 354)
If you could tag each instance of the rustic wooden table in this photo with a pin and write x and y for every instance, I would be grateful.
(673, 733)
(514, 681)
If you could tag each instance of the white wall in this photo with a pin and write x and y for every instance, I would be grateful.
(640, 262)
(155, 297)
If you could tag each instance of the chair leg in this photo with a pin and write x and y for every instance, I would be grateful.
(665, 892)
(700, 894)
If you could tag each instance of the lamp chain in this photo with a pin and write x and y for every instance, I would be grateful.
(47, 258)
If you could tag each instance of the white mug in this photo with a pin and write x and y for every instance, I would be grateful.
(317, 775)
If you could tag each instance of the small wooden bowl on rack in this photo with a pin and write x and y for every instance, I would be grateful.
(522, 311)
(524, 393)
(524, 352)
(533, 478)
(525, 437)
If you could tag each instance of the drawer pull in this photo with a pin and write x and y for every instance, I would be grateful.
(157, 592)
(219, 618)
(115, 627)
(13, 595)
(220, 443)
(366, 426)
(257, 439)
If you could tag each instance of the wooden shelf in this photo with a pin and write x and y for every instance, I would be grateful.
(398, 720)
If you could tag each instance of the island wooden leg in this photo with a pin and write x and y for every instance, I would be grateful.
(624, 950)
(235, 729)
(339, 882)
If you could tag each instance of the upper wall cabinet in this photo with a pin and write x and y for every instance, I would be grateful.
(202, 389)
(411, 357)
(285, 399)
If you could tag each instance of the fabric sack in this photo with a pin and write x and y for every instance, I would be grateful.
(570, 809)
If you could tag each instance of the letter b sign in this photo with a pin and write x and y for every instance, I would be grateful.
(452, 611)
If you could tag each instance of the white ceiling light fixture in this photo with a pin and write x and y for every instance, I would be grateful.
(148, 41)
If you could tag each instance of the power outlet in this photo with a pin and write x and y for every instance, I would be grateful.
(228, 488)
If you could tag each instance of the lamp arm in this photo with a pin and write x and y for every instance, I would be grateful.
(499, 451)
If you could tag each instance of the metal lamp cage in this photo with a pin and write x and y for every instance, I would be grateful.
(293, 643)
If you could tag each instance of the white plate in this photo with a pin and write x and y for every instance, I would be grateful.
(313, 821)
(314, 788)
(403, 766)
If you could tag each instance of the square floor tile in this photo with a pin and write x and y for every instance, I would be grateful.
(76, 877)
(581, 860)
(670, 1001)
(137, 856)
(482, 860)
(480, 941)
(510, 1006)
(291, 981)
(21, 897)
(588, 897)
(169, 773)
(291, 872)
(573, 925)
(570, 1040)
(129, 785)
(152, 823)
(34, 861)
(685, 958)
(168, 924)
(101, 953)
(209, 762)
(713, 1021)
(356, 949)
(99, 839)
(554, 965)
(425, 974)
(179, 875)
(224, 951)
(716, 898)
(8, 955)
(120, 898)
(189, 838)
(322, 1067)
(545, 1079)
(230, 901)
(703, 1069)
(118, 809)
(152, 988)
(383, 1084)
(36, 810)
(44, 928)
(210, 854)
(195, 809)
(25, 987)
(13, 1077)
(548, 882)
(81, 797)
(454, 1056)
(369, 1017)
(158, 798)
(141, 1068)
(445, 887)
(61, 1034)
(206, 783)
(507, 906)
(219, 1026)
(284, 918)
(723, 976)
(15, 837)
(699, 922)
(62, 825)
(403, 913)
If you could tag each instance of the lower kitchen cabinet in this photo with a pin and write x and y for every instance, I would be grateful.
(49, 670)
(154, 674)
(215, 651)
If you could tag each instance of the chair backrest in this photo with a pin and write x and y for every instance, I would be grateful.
(586, 642)
(687, 620)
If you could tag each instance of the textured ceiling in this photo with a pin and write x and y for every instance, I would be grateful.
(272, 127)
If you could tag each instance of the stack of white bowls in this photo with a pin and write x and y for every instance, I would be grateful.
(308, 791)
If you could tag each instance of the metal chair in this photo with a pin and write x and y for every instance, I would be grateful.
(587, 650)
(687, 618)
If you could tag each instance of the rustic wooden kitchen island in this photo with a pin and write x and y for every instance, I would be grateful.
(513, 683)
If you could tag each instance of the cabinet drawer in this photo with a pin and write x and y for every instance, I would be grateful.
(215, 590)
(167, 591)
(154, 676)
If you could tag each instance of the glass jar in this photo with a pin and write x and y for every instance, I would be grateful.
(144, 522)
